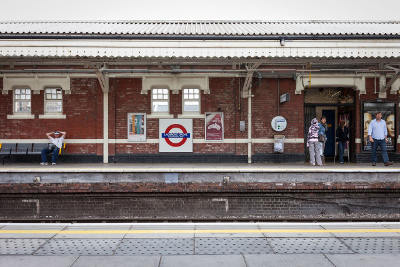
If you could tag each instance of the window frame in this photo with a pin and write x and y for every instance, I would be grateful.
(22, 100)
(160, 100)
(45, 112)
(185, 100)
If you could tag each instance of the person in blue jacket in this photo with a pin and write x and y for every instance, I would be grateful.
(322, 135)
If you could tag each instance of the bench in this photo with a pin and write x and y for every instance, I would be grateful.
(26, 149)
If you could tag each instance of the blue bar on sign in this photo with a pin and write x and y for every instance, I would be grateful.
(175, 135)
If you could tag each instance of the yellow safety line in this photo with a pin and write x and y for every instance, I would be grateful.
(191, 231)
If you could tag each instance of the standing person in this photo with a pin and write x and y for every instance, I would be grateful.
(313, 144)
(342, 139)
(322, 136)
(377, 133)
(56, 145)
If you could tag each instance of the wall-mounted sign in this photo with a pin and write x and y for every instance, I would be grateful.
(278, 123)
(176, 135)
(214, 126)
(137, 127)
(388, 114)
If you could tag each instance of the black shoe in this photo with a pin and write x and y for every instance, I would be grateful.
(388, 163)
(373, 163)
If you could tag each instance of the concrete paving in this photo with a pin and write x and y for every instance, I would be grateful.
(200, 244)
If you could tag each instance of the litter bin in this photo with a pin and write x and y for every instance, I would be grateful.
(279, 143)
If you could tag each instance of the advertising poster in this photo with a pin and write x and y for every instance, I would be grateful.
(176, 135)
(137, 127)
(388, 114)
(214, 126)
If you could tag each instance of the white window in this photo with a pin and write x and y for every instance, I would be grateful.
(191, 101)
(160, 101)
(53, 101)
(22, 101)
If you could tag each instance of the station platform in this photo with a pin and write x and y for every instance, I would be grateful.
(200, 244)
(198, 192)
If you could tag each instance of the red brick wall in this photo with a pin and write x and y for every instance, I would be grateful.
(83, 108)
(265, 108)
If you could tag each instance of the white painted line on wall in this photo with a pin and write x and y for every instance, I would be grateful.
(154, 141)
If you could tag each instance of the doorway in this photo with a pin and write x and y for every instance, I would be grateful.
(336, 104)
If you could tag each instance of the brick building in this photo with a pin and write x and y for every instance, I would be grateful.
(111, 85)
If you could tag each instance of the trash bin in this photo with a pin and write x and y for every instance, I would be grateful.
(279, 143)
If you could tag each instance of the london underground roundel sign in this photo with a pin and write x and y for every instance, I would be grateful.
(176, 135)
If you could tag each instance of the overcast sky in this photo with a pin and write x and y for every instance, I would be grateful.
(199, 10)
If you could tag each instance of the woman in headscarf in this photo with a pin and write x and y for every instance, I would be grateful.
(313, 144)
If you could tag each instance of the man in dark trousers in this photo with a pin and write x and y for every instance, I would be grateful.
(56, 143)
(377, 134)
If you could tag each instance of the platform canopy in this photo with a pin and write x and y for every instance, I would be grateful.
(201, 39)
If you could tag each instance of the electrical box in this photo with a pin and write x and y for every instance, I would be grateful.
(242, 126)
(279, 143)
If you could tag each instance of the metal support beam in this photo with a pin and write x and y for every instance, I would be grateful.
(246, 92)
(249, 78)
(104, 84)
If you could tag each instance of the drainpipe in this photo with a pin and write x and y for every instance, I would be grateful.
(249, 144)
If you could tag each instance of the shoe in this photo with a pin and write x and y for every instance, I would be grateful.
(373, 163)
(341, 162)
(53, 163)
(43, 163)
(312, 164)
(388, 163)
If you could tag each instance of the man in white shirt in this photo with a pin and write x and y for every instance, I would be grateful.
(377, 133)
(55, 146)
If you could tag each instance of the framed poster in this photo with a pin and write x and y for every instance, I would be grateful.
(176, 135)
(214, 126)
(137, 127)
(388, 114)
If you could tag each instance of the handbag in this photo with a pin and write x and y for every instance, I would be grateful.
(321, 138)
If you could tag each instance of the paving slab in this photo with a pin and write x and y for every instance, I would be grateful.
(117, 261)
(228, 230)
(161, 231)
(94, 231)
(36, 261)
(287, 260)
(20, 246)
(356, 260)
(357, 230)
(30, 231)
(293, 231)
(203, 260)
(92, 247)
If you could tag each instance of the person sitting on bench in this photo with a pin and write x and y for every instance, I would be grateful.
(54, 148)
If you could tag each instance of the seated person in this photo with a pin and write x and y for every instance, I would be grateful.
(55, 146)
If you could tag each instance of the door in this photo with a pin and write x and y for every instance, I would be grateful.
(330, 134)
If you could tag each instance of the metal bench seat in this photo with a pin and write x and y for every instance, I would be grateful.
(37, 148)
(6, 150)
(22, 149)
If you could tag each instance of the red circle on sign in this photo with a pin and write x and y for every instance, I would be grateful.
(172, 126)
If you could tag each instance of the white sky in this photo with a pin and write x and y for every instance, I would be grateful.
(199, 10)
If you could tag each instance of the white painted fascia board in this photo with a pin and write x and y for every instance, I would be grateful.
(209, 48)
(330, 80)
